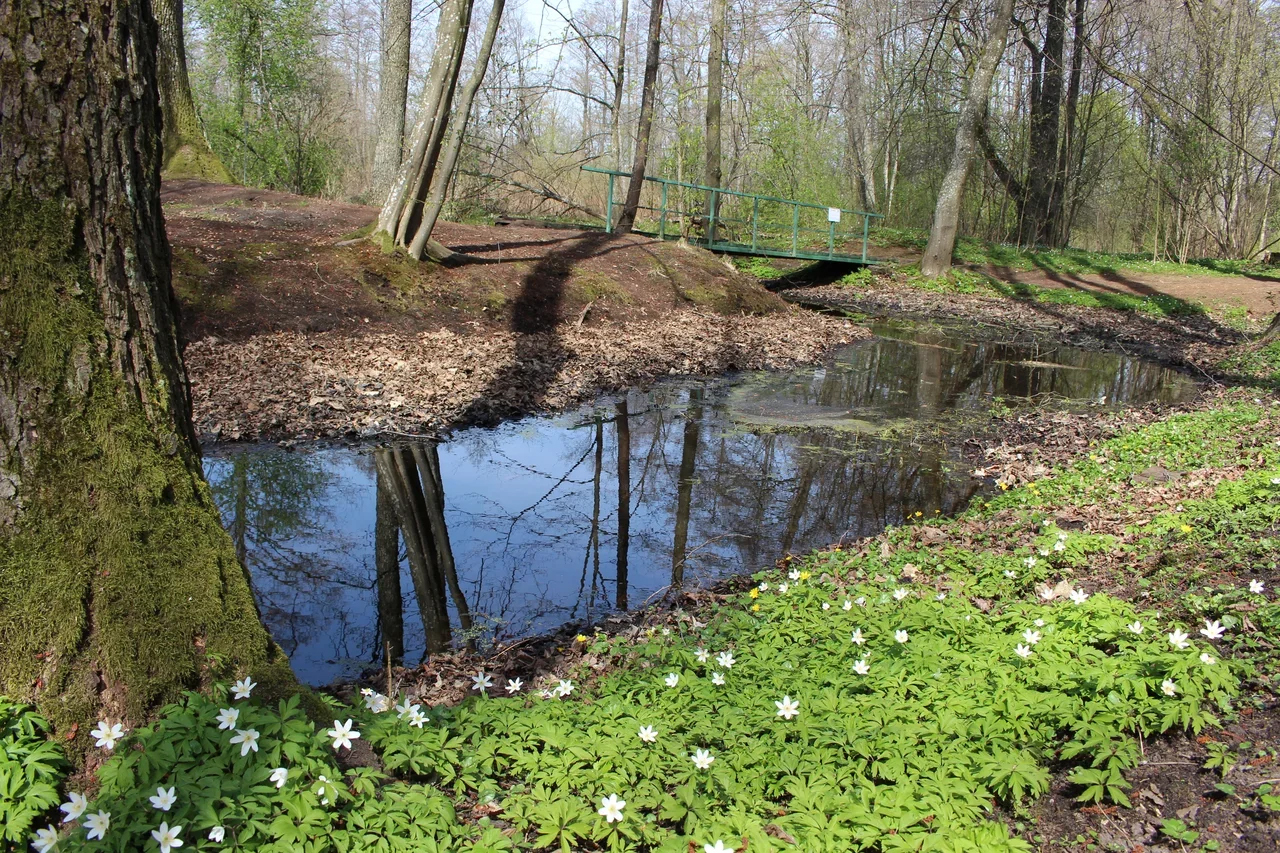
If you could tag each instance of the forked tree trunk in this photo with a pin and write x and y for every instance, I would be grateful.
(393, 91)
(386, 558)
(443, 175)
(118, 585)
(946, 215)
(186, 152)
(627, 219)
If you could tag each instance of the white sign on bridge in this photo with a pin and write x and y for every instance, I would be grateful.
(833, 214)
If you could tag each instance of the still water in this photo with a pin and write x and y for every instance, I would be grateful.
(501, 533)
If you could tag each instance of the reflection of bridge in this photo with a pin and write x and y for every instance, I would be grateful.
(722, 219)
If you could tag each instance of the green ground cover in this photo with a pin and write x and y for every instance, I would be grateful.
(916, 693)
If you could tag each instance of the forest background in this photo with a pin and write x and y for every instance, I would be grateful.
(1145, 126)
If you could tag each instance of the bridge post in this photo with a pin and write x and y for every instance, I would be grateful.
(755, 215)
(662, 220)
(711, 223)
(608, 214)
(795, 229)
(866, 227)
(831, 236)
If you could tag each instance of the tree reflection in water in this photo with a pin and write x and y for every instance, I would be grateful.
(561, 518)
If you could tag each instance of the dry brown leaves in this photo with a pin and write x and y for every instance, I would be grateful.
(293, 385)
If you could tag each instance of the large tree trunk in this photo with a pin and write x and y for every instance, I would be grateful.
(623, 424)
(627, 219)
(118, 585)
(393, 91)
(186, 152)
(946, 215)
(386, 559)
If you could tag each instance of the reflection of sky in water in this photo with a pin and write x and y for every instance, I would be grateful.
(532, 508)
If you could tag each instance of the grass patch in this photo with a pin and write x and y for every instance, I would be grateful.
(878, 699)
(1259, 364)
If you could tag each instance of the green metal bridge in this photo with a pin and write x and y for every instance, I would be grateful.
(746, 224)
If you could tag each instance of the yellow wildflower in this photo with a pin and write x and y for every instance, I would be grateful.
(804, 576)
(755, 608)
(755, 593)
(581, 638)
(1186, 528)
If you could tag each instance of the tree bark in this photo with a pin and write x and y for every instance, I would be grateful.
(627, 219)
(684, 487)
(393, 91)
(119, 586)
(386, 558)
(186, 151)
(458, 127)
(623, 425)
(946, 215)
(715, 89)
(1037, 226)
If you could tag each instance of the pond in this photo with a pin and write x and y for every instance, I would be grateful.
(501, 533)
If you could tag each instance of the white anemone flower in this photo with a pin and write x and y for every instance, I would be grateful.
(718, 847)
(106, 736)
(514, 685)
(861, 601)
(1178, 639)
(861, 667)
(163, 800)
(942, 596)
(826, 605)
(1256, 587)
(1207, 659)
(217, 834)
(847, 606)
(782, 588)
(611, 808)
(248, 740)
(1023, 652)
(672, 679)
(1039, 623)
(794, 574)
(1059, 546)
(1030, 562)
(1213, 629)
(648, 734)
(481, 681)
(717, 678)
(417, 719)
(564, 688)
(900, 636)
(167, 837)
(97, 825)
(1032, 637)
(1135, 628)
(725, 659)
(280, 775)
(702, 654)
(900, 593)
(342, 734)
(787, 708)
(1010, 573)
(1047, 593)
(242, 688)
(228, 717)
(857, 638)
(1079, 596)
(764, 587)
(1044, 552)
(1169, 687)
(702, 759)
(45, 839)
(74, 806)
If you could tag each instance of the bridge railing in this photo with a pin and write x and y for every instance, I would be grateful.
(749, 223)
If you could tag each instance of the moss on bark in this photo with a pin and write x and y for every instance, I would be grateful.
(118, 586)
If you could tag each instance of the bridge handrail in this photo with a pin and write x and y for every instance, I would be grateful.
(738, 193)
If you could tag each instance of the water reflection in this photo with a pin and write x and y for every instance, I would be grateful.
(559, 518)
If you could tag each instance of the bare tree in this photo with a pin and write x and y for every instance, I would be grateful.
(946, 216)
(393, 91)
(644, 129)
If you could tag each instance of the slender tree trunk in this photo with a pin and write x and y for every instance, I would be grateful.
(386, 558)
(619, 74)
(186, 152)
(853, 117)
(715, 89)
(1037, 227)
(428, 459)
(946, 215)
(393, 90)
(422, 241)
(117, 581)
(644, 129)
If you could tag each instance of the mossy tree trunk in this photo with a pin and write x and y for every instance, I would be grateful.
(118, 584)
(393, 91)
(186, 152)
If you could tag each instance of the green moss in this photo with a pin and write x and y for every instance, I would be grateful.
(360, 233)
(118, 585)
(195, 161)
(589, 286)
